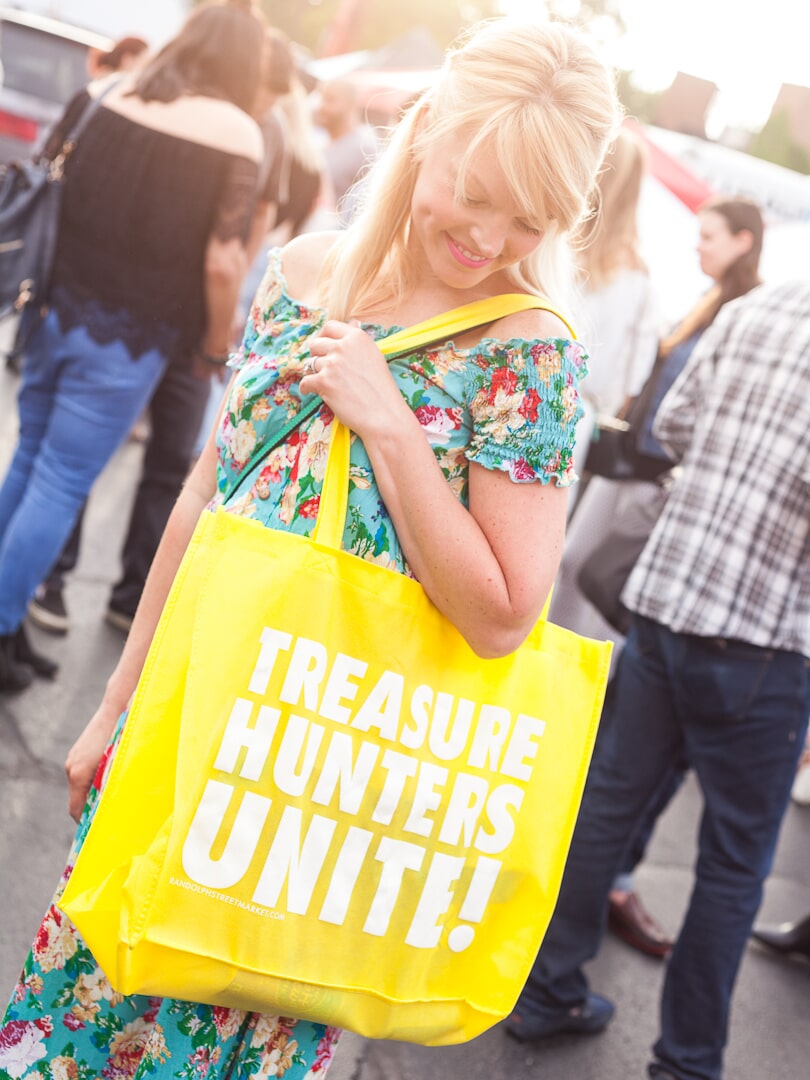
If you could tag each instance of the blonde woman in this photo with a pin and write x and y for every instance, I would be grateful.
(622, 332)
(306, 184)
(620, 321)
(458, 459)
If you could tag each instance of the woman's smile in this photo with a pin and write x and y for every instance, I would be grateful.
(465, 256)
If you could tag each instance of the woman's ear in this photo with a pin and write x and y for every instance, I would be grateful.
(744, 242)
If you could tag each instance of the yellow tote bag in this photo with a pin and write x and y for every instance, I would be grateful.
(324, 804)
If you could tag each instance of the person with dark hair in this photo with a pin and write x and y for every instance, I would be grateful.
(179, 406)
(278, 73)
(159, 197)
(126, 55)
(296, 175)
(278, 77)
(716, 669)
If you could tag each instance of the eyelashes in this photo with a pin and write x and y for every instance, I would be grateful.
(477, 204)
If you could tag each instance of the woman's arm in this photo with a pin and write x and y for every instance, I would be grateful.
(489, 569)
(225, 269)
(84, 755)
(226, 254)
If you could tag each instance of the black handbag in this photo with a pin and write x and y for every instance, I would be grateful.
(610, 453)
(614, 451)
(30, 206)
(602, 576)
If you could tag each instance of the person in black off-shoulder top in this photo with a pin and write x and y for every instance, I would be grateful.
(178, 407)
(159, 196)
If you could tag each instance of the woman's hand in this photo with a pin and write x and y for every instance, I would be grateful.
(84, 756)
(350, 373)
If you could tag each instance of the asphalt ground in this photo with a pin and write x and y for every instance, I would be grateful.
(770, 1029)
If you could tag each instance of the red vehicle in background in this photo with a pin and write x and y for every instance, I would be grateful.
(43, 63)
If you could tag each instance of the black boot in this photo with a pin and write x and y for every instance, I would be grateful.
(26, 654)
(787, 938)
(13, 674)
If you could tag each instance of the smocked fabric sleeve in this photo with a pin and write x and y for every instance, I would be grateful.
(524, 401)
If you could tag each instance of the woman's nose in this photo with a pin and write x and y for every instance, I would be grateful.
(489, 237)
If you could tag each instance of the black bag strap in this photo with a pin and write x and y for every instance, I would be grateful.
(56, 168)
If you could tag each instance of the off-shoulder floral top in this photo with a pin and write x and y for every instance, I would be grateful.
(510, 405)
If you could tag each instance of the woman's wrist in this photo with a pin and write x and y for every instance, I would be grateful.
(215, 359)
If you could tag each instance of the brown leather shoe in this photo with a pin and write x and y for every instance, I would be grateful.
(630, 921)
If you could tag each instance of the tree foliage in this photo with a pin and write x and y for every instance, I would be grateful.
(637, 103)
(776, 143)
(378, 22)
(601, 18)
(381, 21)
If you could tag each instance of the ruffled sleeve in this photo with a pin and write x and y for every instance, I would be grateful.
(237, 202)
(524, 401)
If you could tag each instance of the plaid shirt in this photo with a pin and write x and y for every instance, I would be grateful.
(730, 555)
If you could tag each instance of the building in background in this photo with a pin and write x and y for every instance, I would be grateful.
(154, 20)
(683, 105)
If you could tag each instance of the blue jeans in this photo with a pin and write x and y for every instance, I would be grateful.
(739, 714)
(77, 402)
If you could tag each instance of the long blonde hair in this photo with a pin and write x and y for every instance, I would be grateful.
(536, 96)
(300, 132)
(608, 240)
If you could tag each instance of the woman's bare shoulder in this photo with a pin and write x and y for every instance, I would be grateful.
(211, 122)
(534, 324)
(236, 132)
(302, 261)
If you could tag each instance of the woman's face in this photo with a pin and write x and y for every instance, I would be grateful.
(718, 247)
(462, 242)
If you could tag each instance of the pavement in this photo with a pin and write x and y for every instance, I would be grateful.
(770, 1028)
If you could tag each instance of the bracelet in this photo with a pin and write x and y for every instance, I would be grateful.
(214, 361)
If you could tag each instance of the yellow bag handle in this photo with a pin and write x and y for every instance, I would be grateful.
(335, 492)
(478, 313)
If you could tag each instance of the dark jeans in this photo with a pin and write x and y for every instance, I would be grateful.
(175, 414)
(69, 555)
(660, 800)
(739, 714)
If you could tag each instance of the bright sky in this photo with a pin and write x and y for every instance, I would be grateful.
(749, 54)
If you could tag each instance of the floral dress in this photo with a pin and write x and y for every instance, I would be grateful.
(508, 405)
